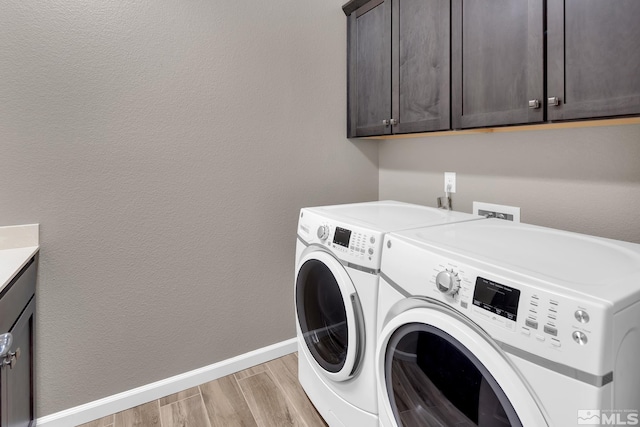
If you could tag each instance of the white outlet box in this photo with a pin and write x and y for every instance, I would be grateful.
(449, 182)
(492, 210)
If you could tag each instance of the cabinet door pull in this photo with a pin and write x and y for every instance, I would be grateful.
(534, 103)
(554, 100)
(14, 357)
(393, 122)
(10, 359)
(385, 122)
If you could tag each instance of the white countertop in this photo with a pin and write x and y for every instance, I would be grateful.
(18, 244)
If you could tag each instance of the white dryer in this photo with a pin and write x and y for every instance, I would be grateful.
(493, 323)
(336, 295)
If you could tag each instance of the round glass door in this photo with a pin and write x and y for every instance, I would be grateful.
(325, 314)
(437, 368)
(432, 379)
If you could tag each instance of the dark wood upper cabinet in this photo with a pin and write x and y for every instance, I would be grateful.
(497, 62)
(421, 65)
(425, 65)
(398, 66)
(593, 58)
(369, 69)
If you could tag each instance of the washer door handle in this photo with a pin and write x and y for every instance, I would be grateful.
(360, 334)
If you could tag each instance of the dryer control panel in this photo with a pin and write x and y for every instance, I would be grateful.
(354, 245)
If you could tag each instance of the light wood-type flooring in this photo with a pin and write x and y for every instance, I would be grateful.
(267, 395)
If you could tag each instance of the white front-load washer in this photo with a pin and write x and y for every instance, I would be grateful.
(491, 323)
(336, 295)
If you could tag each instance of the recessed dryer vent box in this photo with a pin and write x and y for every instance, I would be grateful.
(490, 210)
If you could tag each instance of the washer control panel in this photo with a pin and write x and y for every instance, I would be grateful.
(529, 312)
(542, 313)
(534, 319)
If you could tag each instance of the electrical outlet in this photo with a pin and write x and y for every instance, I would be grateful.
(449, 182)
(490, 210)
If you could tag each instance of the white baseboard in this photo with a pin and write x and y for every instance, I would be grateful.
(137, 396)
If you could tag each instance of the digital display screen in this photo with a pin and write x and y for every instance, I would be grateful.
(496, 298)
(341, 237)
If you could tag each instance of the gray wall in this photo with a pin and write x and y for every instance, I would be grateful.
(585, 180)
(166, 148)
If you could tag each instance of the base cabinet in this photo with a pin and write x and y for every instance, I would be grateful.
(17, 315)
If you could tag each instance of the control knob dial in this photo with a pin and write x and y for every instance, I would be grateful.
(448, 282)
(323, 232)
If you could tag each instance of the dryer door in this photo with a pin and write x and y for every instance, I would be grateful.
(329, 315)
(435, 367)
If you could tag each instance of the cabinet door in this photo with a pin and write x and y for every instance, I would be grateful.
(593, 61)
(498, 62)
(369, 69)
(17, 390)
(421, 65)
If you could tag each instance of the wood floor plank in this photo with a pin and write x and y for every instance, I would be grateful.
(251, 371)
(225, 403)
(188, 412)
(285, 372)
(179, 396)
(146, 415)
(267, 395)
(102, 422)
(268, 403)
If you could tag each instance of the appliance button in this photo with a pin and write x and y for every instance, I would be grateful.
(582, 316)
(540, 338)
(525, 331)
(550, 330)
(555, 342)
(370, 251)
(531, 323)
(372, 240)
(580, 337)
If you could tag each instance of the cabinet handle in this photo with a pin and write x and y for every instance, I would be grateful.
(554, 100)
(6, 340)
(15, 357)
(534, 103)
(385, 122)
(393, 122)
(11, 359)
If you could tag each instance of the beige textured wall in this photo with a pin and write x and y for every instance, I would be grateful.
(585, 180)
(165, 147)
